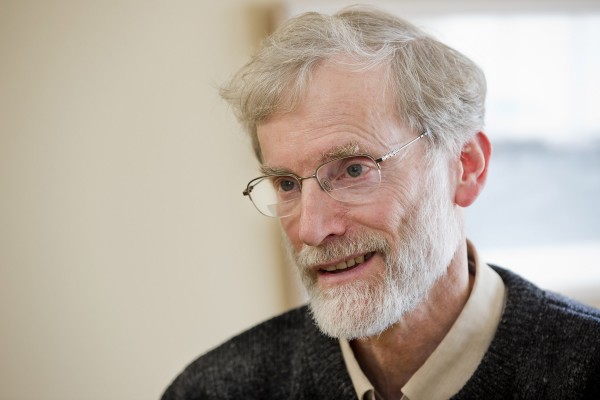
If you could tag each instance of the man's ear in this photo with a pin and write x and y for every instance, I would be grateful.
(472, 171)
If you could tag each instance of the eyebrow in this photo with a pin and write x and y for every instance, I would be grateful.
(266, 170)
(349, 149)
(345, 150)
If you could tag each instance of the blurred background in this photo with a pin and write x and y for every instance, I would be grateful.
(126, 247)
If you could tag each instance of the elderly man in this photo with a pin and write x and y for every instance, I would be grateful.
(369, 135)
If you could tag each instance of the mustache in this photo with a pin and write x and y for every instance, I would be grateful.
(343, 247)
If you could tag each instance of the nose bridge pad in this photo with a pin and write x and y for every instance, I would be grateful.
(326, 185)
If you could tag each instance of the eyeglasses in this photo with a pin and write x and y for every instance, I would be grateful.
(347, 179)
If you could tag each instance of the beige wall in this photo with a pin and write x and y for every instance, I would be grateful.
(126, 248)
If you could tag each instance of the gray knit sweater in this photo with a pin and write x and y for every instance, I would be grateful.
(546, 347)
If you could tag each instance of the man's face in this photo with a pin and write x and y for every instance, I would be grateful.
(364, 265)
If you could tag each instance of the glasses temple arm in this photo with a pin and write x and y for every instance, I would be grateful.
(396, 151)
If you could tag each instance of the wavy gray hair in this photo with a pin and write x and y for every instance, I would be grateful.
(435, 87)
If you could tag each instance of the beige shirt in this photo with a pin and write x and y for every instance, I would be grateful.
(456, 358)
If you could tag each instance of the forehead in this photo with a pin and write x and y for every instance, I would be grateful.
(342, 111)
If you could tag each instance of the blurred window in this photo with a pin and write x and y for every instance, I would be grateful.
(539, 213)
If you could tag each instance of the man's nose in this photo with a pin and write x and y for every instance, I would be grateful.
(320, 215)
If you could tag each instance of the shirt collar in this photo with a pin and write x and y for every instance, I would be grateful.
(456, 358)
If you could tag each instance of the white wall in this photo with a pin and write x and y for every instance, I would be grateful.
(126, 248)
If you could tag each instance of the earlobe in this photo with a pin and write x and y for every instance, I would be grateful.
(473, 165)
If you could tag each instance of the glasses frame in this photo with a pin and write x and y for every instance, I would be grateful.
(324, 186)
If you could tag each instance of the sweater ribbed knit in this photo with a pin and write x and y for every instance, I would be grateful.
(546, 347)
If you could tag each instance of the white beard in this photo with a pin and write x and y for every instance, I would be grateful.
(429, 238)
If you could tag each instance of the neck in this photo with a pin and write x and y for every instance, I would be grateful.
(391, 358)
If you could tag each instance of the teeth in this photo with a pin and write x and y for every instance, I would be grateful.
(346, 264)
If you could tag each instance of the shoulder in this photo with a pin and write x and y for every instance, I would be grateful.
(271, 360)
(549, 322)
(551, 309)
(545, 345)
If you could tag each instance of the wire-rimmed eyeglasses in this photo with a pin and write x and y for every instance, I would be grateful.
(347, 179)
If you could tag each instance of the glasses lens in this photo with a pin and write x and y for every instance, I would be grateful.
(275, 196)
(350, 179)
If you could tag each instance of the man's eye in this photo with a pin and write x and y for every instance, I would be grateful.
(354, 170)
(286, 185)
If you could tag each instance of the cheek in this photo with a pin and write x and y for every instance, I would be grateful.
(384, 214)
(289, 228)
(395, 201)
(399, 196)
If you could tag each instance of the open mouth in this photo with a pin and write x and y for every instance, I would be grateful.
(348, 264)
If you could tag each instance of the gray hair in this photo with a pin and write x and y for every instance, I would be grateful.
(435, 87)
